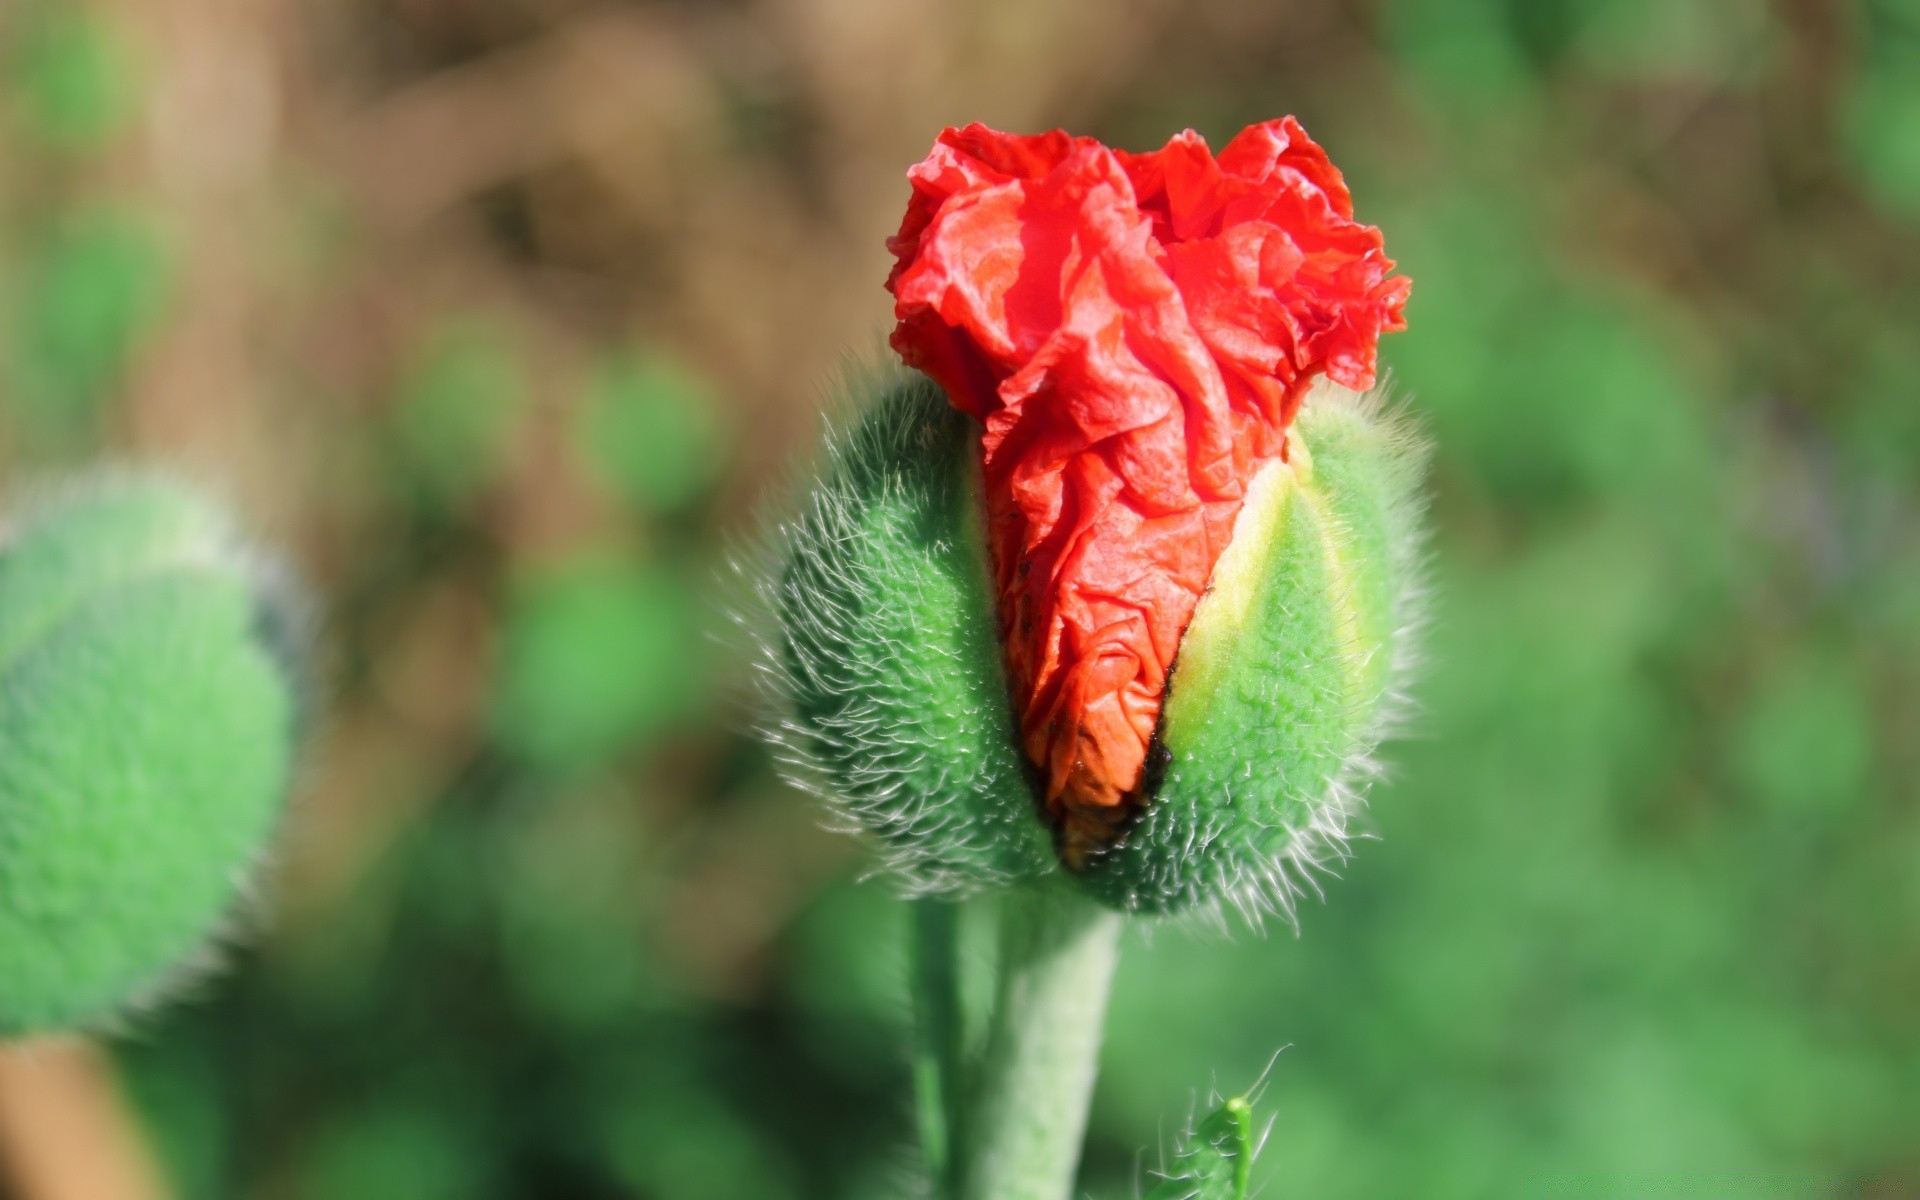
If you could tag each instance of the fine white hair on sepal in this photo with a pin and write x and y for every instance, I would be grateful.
(876, 660)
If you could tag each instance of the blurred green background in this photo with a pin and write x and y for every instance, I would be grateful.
(506, 316)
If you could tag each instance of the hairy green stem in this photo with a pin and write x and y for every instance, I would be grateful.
(939, 1036)
(1029, 1113)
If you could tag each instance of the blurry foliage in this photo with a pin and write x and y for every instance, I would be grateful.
(1883, 106)
(648, 430)
(89, 286)
(72, 73)
(458, 399)
(1641, 916)
(598, 655)
(392, 1150)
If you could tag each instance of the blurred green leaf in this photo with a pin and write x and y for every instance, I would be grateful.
(685, 1141)
(93, 286)
(599, 653)
(392, 1149)
(458, 405)
(181, 1099)
(1880, 431)
(1882, 110)
(1803, 747)
(648, 429)
(849, 994)
(571, 936)
(1696, 41)
(74, 74)
(1463, 50)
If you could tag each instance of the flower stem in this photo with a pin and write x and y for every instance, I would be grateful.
(939, 1036)
(1029, 1115)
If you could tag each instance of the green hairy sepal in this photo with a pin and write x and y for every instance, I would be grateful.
(883, 659)
(148, 703)
(887, 667)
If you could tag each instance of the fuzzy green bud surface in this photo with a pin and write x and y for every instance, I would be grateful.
(148, 708)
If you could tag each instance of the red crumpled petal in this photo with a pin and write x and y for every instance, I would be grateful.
(1136, 332)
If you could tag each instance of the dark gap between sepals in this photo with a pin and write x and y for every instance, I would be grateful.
(1082, 843)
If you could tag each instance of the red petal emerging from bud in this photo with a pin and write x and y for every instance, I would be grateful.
(1136, 332)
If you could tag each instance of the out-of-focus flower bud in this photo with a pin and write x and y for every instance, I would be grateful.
(1123, 595)
(150, 687)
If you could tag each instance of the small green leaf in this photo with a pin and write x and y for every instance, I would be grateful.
(458, 402)
(394, 1149)
(599, 652)
(1214, 1160)
(71, 70)
(1880, 113)
(93, 287)
(649, 430)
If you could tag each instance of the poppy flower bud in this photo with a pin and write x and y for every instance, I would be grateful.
(149, 686)
(1195, 564)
